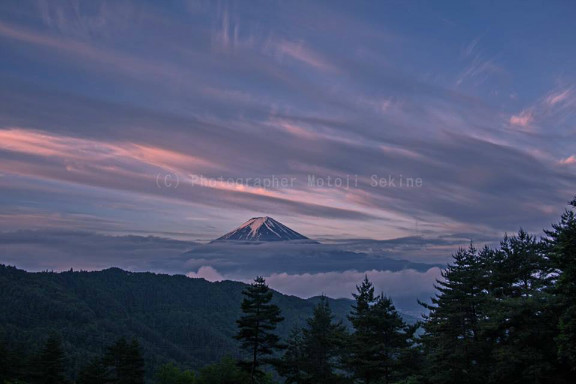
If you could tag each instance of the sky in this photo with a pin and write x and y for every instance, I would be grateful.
(375, 120)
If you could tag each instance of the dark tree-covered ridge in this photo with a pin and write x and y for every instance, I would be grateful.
(190, 322)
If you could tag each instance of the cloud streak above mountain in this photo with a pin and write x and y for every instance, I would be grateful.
(111, 111)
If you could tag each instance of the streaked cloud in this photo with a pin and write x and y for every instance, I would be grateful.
(558, 97)
(569, 160)
(102, 99)
(298, 51)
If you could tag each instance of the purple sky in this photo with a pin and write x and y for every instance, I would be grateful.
(111, 113)
(130, 117)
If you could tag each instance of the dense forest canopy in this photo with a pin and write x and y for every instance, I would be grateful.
(190, 322)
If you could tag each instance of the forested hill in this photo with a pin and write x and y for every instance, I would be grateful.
(175, 318)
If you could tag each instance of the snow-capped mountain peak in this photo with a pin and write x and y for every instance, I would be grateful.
(262, 229)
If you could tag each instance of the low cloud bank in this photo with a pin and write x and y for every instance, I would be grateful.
(62, 250)
(404, 287)
(303, 270)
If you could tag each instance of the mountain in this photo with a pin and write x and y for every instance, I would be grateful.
(175, 318)
(262, 229)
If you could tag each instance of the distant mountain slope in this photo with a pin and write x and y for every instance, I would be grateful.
(262, 229)
(176, 318)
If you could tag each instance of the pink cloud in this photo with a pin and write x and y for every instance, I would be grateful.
(558, 97)
(297, 130)
(68, 148)
(569, 160)
(523, 119)
(136, 167)
(207, 273)
(298, 51)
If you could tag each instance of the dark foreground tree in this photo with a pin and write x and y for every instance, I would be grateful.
(392, 342)
(291, 365)
(6, 362)
(51, 362)
(13, 364)
(453, 343)
(361, 360)
(315, 353)
(562, 248)
(256, 327)
(171, 374)
(94, 372)
(124, 362)
(517, 315)
(381, 346)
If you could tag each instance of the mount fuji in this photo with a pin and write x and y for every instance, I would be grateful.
(262, 229)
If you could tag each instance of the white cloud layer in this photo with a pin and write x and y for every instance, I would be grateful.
(404, 287)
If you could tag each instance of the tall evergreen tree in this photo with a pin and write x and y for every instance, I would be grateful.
(124, 362)
(518, 313)
(51, 362)
(15, 364)
(256, 326)
(382, 340)
(292, 364)
(562, 248)
(134, 363)
(453, 342)
(323, 340)
(94, 372)
(5, 371)
(392, 341)
(315, 353)
(360, 353)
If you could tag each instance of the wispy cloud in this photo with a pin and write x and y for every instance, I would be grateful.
(478, 69)
(569, 160)
(69, 149)
(108, 95)
(524, 119)
(558, 97)
(300, 52)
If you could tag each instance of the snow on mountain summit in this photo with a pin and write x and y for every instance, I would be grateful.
(262, 229)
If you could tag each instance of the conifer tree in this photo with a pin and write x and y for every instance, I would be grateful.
(453, 340)
(125, 362)
(518, 312)
(51, 363)
(392, 341)
(315, 353)
(292, 364)
(134, 363)
(562, 248)
(94, 372)
(5, 372)
(361, 352)
(382, 340)
(256, 326)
